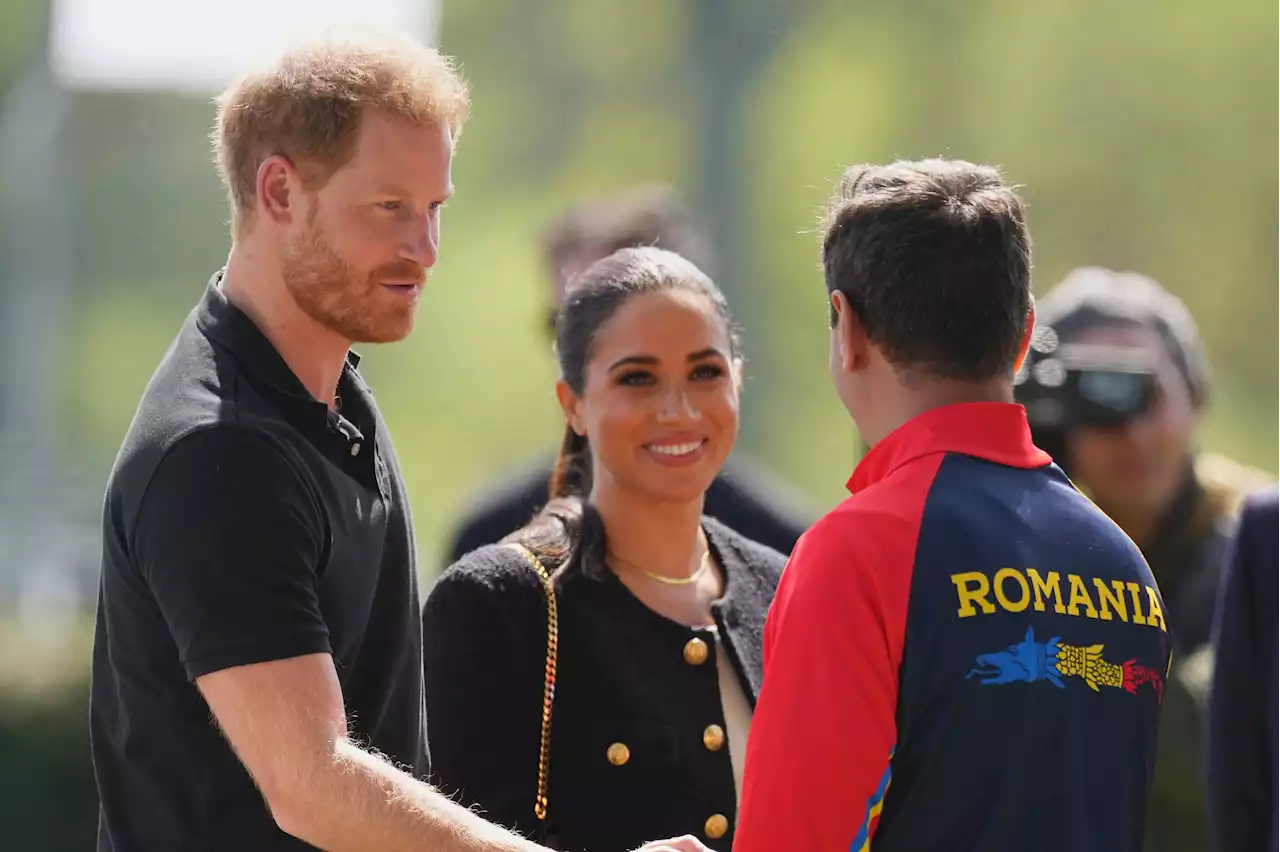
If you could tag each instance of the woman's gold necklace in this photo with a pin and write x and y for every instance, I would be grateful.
(670, 581)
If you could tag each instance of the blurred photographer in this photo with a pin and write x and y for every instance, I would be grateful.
(1114, 386)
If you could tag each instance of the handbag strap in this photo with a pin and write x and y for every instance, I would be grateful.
(549, 677)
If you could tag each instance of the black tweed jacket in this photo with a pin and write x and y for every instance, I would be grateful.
(634, 695)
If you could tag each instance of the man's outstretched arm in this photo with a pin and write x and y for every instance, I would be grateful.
(286, 723)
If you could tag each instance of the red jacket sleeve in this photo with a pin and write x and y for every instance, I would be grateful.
(818, 755)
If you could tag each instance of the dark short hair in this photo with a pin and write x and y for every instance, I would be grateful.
(934, 258)
(647, 215)
(1092, 297)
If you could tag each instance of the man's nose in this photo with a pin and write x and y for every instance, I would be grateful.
(422, 247)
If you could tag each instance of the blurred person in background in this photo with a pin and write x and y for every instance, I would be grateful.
(944, 665)
(257, 667)
(654, 609)
(1114, 386)
(1242, 699)
(743, 496)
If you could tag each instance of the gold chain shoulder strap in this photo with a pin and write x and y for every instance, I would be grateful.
(549, 677)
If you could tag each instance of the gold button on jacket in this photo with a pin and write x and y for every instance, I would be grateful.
(713, 737)
(618, 754)
(716, 826)
(695, 652)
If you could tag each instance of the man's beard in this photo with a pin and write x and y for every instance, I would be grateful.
(334, 294)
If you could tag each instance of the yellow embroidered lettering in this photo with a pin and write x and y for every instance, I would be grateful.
(1023, 599)
(1044, 587)
(968, 595)
(1020, 589)
(1080, 596)
(1116, 600)
(1156, 614)
(1137, 603)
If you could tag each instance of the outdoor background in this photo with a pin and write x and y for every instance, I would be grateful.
(1143, 134)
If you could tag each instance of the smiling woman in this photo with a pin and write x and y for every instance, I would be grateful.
(656, 383)
(609, 653)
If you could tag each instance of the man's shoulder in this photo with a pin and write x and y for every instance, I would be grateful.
(177, 462)
(197, 389)
(903, 491)
(884, 507)
(174, 404)
(863, 532)
(191, 388)
(855, 561)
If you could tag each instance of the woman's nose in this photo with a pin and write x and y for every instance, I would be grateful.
(677, 407)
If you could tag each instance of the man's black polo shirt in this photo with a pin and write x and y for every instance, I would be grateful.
(244, 522)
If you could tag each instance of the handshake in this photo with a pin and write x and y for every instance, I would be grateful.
(687, 843)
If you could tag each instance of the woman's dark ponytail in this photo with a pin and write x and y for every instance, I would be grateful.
(571, 475)
(568, 531)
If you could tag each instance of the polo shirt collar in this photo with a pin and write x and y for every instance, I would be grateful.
(995, 431)
(232, 328)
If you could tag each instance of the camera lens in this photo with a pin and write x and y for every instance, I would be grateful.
(1121, 392)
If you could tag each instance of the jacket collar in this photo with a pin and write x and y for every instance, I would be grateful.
(743, 609)
(995, 431)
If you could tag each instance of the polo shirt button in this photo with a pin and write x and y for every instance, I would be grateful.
(355, 448)
(695, 652)
(716, 826)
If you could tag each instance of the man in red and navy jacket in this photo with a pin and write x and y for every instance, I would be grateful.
(966, 654)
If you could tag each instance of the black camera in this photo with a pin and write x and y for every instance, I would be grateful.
(1068, 385)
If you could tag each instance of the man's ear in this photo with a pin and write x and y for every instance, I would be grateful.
(851, 334)
(571, 405)
(279, 189)
(1028, 329)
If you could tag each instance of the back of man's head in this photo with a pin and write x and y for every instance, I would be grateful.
(647, 215)
(934, 258)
